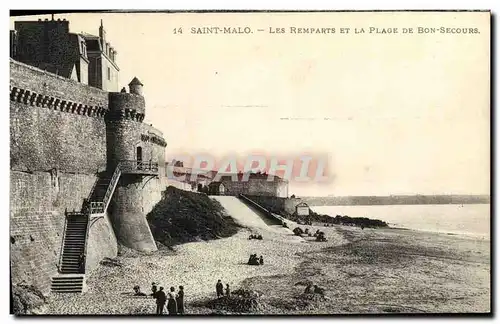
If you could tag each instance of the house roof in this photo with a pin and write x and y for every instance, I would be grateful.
(64, 70)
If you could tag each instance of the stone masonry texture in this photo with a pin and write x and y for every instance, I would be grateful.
(61, 142)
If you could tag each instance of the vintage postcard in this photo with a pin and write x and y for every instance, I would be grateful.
(241, 163)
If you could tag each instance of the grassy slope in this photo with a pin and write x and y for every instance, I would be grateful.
(184, 216)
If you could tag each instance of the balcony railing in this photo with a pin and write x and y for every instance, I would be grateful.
(134, 166)
(96, 207)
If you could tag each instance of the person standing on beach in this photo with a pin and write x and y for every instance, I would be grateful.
(180, 300)
(171, 303)
(154, 289)
(228, 291)
(219, 288)
(160, 301)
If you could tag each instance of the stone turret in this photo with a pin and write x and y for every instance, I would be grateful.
(126, 151)
(135, 86)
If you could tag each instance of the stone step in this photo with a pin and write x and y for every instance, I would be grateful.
(70, 265)
(67, 279)
(66, 285)
(70, 260)
(68, 289)
(67, 282)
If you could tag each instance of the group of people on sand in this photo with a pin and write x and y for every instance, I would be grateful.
(173, 300)
(219, 289)
(314, 289)
(253, 260)
(320, 236)
(255, 237)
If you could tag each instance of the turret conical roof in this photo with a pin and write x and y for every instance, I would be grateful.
(135, 81)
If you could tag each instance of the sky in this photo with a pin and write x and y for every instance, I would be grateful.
(395, 114)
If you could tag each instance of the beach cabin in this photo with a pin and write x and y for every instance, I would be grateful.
(302, 209)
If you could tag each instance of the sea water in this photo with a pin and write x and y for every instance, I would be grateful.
(473, 219)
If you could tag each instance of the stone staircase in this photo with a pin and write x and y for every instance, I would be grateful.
(100, 189)
(68, 283)
(74, 243)
(72, 273)
(71, 278)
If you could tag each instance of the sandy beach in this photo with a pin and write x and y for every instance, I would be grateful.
(362, 271)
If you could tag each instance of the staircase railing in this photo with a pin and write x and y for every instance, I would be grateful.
(112, 185)
(84, 261)
(138, 165)
(100, 207)
(61, 251)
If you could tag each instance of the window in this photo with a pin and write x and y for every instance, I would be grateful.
(109, 74)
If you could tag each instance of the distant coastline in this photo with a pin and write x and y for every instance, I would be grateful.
(397, 200)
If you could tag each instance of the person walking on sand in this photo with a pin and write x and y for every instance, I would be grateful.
(219, 289)
(180, 300)
(171, 303)
(160, 301)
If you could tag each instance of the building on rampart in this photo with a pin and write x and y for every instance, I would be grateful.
(258, 184)
(85, 168)
(182, 177)
(49, 45)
